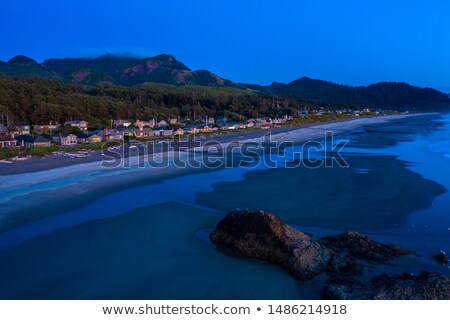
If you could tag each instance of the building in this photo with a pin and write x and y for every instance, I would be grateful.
(173, 121)
(45, 128)
(7, 141)
(167, 132)
(82, 138)
(65, 139)
(27, 141)
(21, 128)
(179, 132)
(144, 133)
(94, 138)
(230, 126)
(143, 124)
(162, 124)
(189, 129)
(113, 135)
(80, 124)
(121, 123)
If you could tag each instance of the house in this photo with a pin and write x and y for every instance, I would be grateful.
(168, 132)
(28, 140)
(80, 124)
(162, 124)
(179, 132)
(45, 128)
(173, 121)
(7, 141)
(241, 125)
(113, 135)
(94, 138)
(65, 139)
(144, 133)
(121, 123)
(143, 124)
(22, 128)
(2, 128)
(191, 129)
(230, 126)
(82, 138)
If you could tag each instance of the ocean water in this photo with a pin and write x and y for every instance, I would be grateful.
(149, 240)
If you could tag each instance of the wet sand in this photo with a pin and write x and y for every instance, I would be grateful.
(137, 238)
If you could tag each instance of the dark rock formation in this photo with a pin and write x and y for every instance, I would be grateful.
(344, 268)
(441, 257)
(362, 247)
(261, 235)
(429, 286)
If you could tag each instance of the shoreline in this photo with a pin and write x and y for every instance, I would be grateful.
(297, 134)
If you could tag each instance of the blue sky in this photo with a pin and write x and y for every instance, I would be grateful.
(346, 41)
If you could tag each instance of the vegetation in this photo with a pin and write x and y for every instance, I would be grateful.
(38, 101)
(383, 95)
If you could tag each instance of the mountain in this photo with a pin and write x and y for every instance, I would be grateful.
(384, 95)
(24, 66)
(165, 69)
(132, 71)
(126, 71)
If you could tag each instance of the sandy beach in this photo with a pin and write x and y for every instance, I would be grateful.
(147, 225)
(296, 134)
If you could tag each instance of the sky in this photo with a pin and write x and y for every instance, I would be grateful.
(350, 42)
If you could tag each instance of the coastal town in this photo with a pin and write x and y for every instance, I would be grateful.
(23, 135)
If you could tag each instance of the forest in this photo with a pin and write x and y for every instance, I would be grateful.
(40, 101)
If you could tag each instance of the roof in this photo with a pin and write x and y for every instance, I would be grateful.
(76, 121)
(93, 134)
(31, 139)
(64, 135)
(7, 138)
(82, 135)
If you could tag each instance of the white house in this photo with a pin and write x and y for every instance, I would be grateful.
(122, 123)
(80, 124)
(66, 139)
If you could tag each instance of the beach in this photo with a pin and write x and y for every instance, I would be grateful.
(82, 231)
(298, 134)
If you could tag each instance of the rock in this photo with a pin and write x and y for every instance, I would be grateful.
(362, 247)
(261, 235)
(441, 257)
(344, 268)
(429, 286)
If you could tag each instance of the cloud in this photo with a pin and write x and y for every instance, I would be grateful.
(136, 52)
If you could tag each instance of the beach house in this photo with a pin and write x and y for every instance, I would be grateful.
(82, 138)
(94, 138)
(21, 128)
(122, 123)
(65, 139)
(45, 128)
(80, 124)
(162, 124)
(7, 141)
(179, 132)
(28, 140)
(144, 133)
